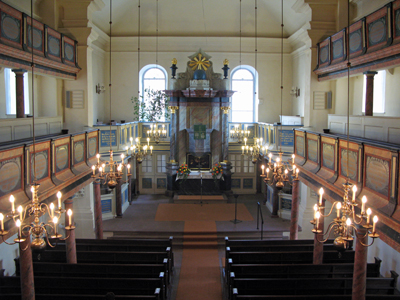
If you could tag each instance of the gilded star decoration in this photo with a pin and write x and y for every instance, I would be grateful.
(199, 62)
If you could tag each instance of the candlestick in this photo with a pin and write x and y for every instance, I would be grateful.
(369, 211)
(20, 212)
(294, 169)
(1, 222)
(338, 207)
(18, 223)
(267, 171)
(12, 199)
(363, 201)
(321, 192)
(59, 199)
(262, 169)
(374, 225)
(69, 217)
(348, 223)
(55, 220)
(315, 211)
(317, 216)
(51, 210)
(98, 158)
(354, 193)
(94, 169)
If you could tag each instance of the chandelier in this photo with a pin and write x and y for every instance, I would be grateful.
(280, 169)
(27, 219)
(155, 133)
(254, 152)
(40, 231)
(238, 134)
(346, 219)
(110, 172)
(138, 151)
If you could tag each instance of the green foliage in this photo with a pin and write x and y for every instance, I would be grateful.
(152, 110)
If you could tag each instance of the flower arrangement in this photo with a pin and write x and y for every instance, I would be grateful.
(183, 172)
(217, 172)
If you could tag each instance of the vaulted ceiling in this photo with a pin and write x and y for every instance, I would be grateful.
(217, 18)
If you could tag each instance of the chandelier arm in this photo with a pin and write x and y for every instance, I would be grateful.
(5, 241)
(355, 217)
(47, 236)
(330, 228)
(66, 237)
(330, 212)
(331, 225)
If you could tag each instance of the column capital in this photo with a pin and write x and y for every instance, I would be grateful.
(19, 71)
(370, 73)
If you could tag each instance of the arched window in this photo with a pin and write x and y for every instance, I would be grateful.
(152, 77)
(244, 102)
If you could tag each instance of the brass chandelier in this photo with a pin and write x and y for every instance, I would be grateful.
(347, 219)
(110, 172)
(156, 134)
(138, 151)
(238, 134)
(27, 219)
(280, 170)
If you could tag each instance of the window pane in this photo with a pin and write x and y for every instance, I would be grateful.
(379, 92)
(243, 98)
(154, 73)
(242, 74)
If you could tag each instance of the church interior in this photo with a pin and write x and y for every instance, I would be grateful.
(186, 149)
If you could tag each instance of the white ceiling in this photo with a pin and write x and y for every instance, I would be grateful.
(217, 18)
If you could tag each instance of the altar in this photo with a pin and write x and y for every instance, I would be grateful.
(199, 101)
(199, 183)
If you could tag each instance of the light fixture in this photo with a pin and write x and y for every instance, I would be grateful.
(155, 133)
(110, 172)
(28, 219)
(100, 88)
(280, 170)
(237, 133)
(295, 91)
(254, 152)
(137, 151)
(346, 216)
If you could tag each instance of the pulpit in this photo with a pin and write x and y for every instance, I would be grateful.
(199, 101)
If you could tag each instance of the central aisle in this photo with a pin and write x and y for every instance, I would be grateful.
(200, 276)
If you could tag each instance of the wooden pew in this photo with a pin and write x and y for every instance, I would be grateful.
(86, 286)
(311, 297)
(251, 243)
(310, 286)
(288, 257)
(117, 248)
(277, 248)
(156, 296)
(298, 271)
(107, 257)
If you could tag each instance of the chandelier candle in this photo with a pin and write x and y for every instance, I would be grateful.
(20, 212)
(338, 207)
(363, 201)
(51, 210)
(69, 217)
(354, 193)
(321, 192)
(262, 169)
(369, 212)
(1, 222)
(12, 199)
(374, 225)
(59, 200)
(293, 156)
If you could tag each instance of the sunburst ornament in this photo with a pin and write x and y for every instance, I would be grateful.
(199, 62)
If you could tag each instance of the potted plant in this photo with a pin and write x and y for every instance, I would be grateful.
(151, 107)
